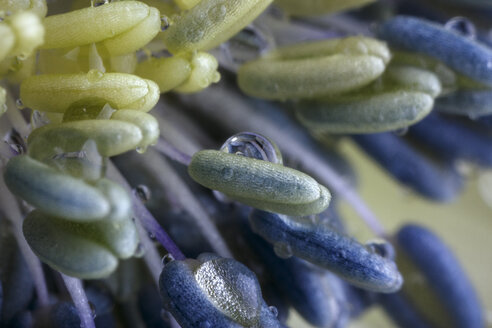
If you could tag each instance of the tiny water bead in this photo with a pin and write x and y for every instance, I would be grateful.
(165, 23)
(253, 145)
(463, 26)
(381, 247)
(143, 193)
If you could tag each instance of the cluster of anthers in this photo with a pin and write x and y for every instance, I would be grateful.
(170, 252)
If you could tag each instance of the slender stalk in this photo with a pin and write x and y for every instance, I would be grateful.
(146, 218)
(151, 256)
(79, 298)
(12, 212)
(172, 152)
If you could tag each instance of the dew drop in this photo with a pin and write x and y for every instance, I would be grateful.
(381, 247)
(282, 250)
(463, 26)
(143, 192)
(152, 235)
(274, 310)
(140, 250)
(19, 104)
(253, 145)
(141, 150)
(166, 259)
(165, 23)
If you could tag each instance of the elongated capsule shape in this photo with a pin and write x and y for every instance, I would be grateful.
(122, 27)
(460, 53)
(186, 73)
(112, 137)
(438, 181)
(256, 182)
(82, 250)
(214, 292)
(167, 72)
(36, 6)
(365, 113)
(53, 192)
(443, 296)
(336, 252)
(148, 125)
(315, 69)
(210, 23)
(119, 90)
(318, 7)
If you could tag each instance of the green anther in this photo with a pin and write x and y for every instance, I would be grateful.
(315, 69)
(412, 78)
(210, 23)
(204, 72)
(148, 125)
(7, 40)
(318, 7)
(20, 35)
(168, 72)
(67, 248)
(122, 27)
(53, 192)
(403, 96)
(118, 198)
(366, 113)
(38, 7)
(259, 183)
(315, 207)
(112, 137)
(119, 90)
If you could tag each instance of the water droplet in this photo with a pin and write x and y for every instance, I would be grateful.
(166, 259)
(274, 310)
(282, 250)
(165, 23)
(143, 192)
(253, 145)
(141, 150)
(151, 235)
(140, 250)
(19, 104)
(94, 75)
(381, 247)
(463, 26)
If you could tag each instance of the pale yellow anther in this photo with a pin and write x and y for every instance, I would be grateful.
(121, 27)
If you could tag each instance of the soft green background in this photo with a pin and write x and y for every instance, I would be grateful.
(465, 225)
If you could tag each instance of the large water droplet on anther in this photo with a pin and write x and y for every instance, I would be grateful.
(253, 145)
(143, 192)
